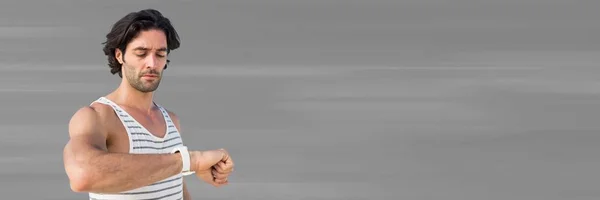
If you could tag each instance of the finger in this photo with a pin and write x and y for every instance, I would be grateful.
(229, 162)
(225, 155)
(221, 181)
(224, 167)
(221, 167)
(229, 168)
(218, 175)
(217, 167)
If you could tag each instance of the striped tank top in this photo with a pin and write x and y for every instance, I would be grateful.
(141, 141)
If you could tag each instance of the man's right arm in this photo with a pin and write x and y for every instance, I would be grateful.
(91, 168)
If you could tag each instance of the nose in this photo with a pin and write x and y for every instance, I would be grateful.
(151, 61)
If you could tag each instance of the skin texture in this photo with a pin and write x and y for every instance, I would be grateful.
(98, 142)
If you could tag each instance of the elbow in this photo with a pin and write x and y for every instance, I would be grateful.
(78, 172)
(79, 175)
(79, 180)
(82, 176)
(79, 186)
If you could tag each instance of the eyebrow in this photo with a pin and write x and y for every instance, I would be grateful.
(146, 49)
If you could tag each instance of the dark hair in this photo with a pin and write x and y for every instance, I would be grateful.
(128, 27)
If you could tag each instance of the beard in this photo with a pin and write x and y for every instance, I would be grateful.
(141, 85)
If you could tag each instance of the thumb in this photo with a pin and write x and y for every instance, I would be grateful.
(225, 155)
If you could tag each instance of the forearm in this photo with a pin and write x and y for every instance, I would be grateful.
(117, 172)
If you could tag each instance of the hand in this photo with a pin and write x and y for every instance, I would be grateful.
(203, 163)
(222, 170)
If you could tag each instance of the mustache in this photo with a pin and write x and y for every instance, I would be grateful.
(153, 72)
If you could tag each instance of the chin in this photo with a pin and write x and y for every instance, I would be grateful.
(146, 90)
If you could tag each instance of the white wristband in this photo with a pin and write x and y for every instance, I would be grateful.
(185, 157)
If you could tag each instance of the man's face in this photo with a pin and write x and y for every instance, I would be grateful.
(145, 60)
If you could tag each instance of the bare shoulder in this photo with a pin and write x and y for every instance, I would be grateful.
(86, 129)
(104, 112)
(84, 121)
(89, 120)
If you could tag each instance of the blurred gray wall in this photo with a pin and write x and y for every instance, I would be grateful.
(329, 99)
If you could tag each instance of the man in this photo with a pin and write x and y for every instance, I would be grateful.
(124, 145)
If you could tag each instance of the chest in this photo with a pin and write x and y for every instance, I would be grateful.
(154, 122)
(136, 132)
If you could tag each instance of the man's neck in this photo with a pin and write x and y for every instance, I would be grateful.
(130, 97)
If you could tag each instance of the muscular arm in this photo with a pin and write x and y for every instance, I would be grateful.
(91, 168)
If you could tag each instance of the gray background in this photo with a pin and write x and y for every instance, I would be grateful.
(329, 99)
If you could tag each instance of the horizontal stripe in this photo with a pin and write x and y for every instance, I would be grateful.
(168, 195)
(154, 141)
(169, 135)
(149, 192)
(148, 134)
(171, 126)
(140, 133)
(134, 127)
(157, 148)
(178, 194)
(167, 181)
(160, 189)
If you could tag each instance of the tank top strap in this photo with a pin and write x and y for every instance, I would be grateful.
(124, 116)
(168, 120)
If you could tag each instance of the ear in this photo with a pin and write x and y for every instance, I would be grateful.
(119, 55)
